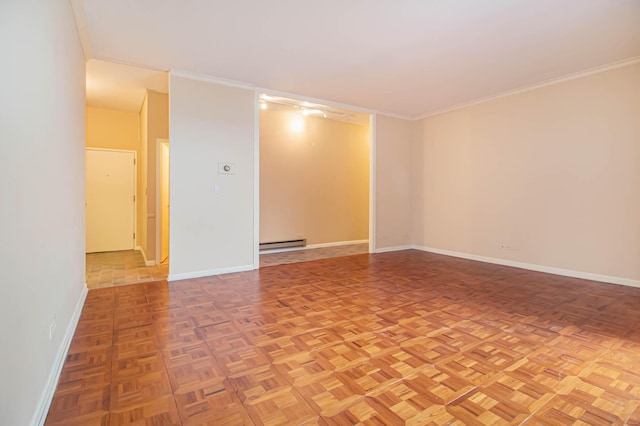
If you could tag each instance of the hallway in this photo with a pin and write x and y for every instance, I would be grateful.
(109, 269)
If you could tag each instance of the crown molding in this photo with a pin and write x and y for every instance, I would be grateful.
(174, 72)
(398, 116)
(320, 101)
(270, 92)
(80, 15)
(567, 77)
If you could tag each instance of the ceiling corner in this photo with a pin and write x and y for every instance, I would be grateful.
(80, 15)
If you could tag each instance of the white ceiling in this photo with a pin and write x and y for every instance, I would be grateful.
(404, 57)
(121, 87)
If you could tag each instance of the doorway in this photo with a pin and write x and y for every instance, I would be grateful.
(110, 200)
(163, 199)
(314, 181)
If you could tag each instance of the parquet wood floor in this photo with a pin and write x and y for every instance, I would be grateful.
(396, 338)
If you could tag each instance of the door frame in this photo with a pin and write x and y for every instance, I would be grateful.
(159, 143)
(256, 161)
(135, 188)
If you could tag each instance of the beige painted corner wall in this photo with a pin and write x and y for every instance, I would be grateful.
(417, 184)
(553, 173)
(154, 125)
(42, 221)
(112, 129)
(395, 183)
(314, 183)
(143, 165)
(211, 232)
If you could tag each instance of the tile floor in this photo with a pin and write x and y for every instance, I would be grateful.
(121, 267)
(388, 339)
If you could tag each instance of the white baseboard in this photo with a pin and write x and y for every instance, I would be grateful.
(395, 248)
(209, 272)
(533, 267)
(315, 246)
(144, 256)
(42, 409)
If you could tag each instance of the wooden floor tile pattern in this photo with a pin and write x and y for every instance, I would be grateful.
(396, 338)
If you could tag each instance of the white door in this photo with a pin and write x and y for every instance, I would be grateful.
(110, 200)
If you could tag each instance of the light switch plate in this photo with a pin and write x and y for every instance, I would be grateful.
(226, 168)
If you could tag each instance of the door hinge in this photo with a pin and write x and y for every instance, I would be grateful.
(134, 198)
(134, 161)
(134, 235)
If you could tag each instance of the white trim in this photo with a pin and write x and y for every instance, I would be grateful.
(259, 90)
(133, 64)
(324, 102)
(87, 148)
(372, 183)
(395, 248)
(314, 246)
(211, 79)
(336, 244)
(533, 267)
(42, 408)
(159, 142)
(144, 256)
(170, 215)
(567, 77)
(256, 180)
(401, 117)
(80, 15)
(209, 272)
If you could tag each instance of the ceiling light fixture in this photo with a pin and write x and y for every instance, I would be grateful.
(297, 124)
(307, 108)
(312, 112)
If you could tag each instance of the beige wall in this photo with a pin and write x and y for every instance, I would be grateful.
(395, 186)
(417, 184)
(314, 183)
(554, 173)
(211, 232)
(158, 128)
(42, 221)
(143, 164)
(154, 125)
(108, 128)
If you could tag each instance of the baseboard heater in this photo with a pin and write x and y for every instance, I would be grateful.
(283, 244)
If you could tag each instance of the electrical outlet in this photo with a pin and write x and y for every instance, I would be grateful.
(52, 328)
